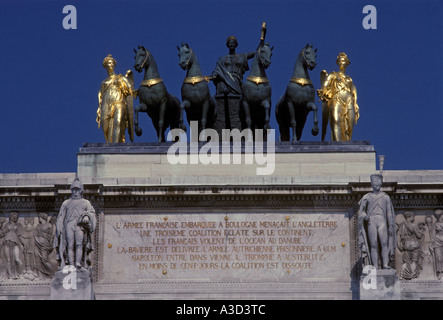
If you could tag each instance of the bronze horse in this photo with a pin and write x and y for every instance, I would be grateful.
(198, 102)
(256, 91)
(294, 106)
(162, 107)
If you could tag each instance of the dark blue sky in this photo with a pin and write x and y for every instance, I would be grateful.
(51, 76)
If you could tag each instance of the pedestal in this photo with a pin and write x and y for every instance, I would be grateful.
(292, 162)
(72, 284)
(380, 284)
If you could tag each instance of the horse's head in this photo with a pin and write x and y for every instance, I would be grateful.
(141, 59)
(186, 56)
(264, 55)
(309, 56)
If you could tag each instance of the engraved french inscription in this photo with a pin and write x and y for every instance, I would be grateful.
(233, 246)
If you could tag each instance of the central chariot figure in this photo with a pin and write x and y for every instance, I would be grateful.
(228, 81)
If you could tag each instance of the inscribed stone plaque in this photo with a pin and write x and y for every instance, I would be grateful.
(233, 246)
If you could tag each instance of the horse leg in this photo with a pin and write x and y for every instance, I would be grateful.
(205, 114)
(301, 121)
(185, 104)
(292, 121)
(313, 107)
(325, 120)
(161, 120)
(140, 108)
(248, 120)
(204, 120)
(266, 105)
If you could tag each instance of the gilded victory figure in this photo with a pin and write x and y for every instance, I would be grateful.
(115, 112)
(339, 97)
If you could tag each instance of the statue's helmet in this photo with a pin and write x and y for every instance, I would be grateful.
(77, 184)
(376, 177)
(231, 38)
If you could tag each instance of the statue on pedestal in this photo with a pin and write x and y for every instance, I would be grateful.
(377, 228)
(115, 112)
(76, 222)
(339, 97)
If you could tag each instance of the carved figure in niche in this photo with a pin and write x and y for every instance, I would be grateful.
(410, 239)
(3, 272)
(436, 236)
(377, 226)
(43, 247)
(53, 255)
(428, 260)
(12, 234)
(75, 223)
(29, 248)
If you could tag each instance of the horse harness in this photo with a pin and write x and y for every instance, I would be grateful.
(301, 81)
(196, 79)
(149, 82)
(257, 80)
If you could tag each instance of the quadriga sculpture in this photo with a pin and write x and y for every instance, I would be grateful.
(294, 106)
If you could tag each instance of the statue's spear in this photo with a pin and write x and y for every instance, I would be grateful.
(263, 31)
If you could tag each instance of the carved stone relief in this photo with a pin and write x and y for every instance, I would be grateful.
(420, 245)
(26, 247)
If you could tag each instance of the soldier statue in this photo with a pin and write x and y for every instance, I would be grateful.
(377, 226)
(75, 224)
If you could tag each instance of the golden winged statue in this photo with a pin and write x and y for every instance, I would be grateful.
(115, 112)
(339, 97)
